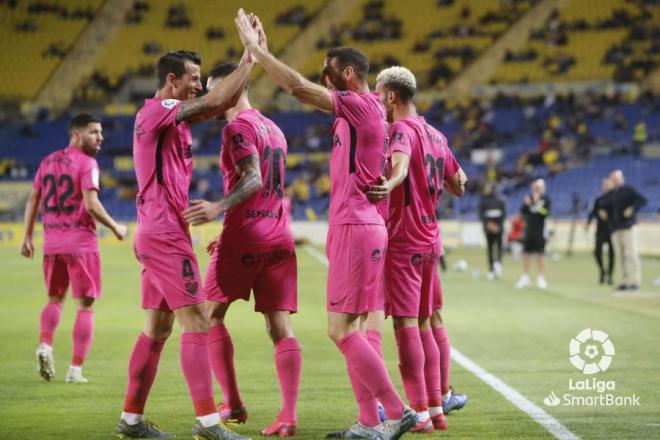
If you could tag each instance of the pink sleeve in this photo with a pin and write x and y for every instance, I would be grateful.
(451, 166)
(400, 138)
(163, 115)
(89, 175)
(239, 139)
(350, 106)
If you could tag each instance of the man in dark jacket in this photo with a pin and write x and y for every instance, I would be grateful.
(624, 203)
(492, 212)
(598, 212)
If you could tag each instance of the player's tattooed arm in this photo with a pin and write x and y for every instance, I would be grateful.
(202, 211)
(31, 208)
(253, 37)
(456, 183)
(400, 162)
(221, 97)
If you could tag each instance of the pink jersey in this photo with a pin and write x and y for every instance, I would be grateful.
(162, 153)
(412, 223)
(359, 155)
(61, 179)
(261, 219)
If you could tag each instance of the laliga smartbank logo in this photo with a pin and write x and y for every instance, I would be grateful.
(591, 352)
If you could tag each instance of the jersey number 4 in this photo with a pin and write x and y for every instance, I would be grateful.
(275, 160)
(65, 183)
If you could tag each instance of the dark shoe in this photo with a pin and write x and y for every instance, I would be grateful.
(622, 287)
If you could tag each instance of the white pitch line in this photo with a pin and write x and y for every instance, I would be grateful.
(540, 416)
(552, 425)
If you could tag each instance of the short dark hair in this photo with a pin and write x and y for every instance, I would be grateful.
(174, 62)
(222, 70)
(81, 120)
(350, 56)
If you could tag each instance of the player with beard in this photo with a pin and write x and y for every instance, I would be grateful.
(357, 238)
(67, 185)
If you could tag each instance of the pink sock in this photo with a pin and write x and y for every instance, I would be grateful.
(83, 333)
(375, 340)
(50, 318)
(367, 403)
(221, 355)
(431, 369)
(440, 335)
(142, 368)
(196, 367)
(370, 369)
(411, 365)
(288, 361)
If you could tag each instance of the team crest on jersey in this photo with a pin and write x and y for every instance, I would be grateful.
(398, 137)
(336, 142)
(169, 103)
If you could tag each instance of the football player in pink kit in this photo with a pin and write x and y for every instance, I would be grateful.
(421, 164)
(357, 238)
(67, 185)
(171, 286)
(255, 252)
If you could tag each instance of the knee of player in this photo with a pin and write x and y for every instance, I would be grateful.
(436, 318)
(85, 303)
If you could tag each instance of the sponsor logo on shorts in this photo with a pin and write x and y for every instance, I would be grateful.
(140, 199)
(427, 258)
(377, 255)
(266, 257)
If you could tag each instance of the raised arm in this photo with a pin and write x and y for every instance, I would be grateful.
(307, 92)
(95, 208)
(202, 211)
(31, 209)
(222, 97)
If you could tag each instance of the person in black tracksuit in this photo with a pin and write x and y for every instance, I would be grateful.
(603, 235)
(535, 210)
(492, 212)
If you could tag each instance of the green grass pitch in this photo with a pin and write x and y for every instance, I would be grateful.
(522, 337)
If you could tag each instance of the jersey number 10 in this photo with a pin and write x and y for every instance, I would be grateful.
(275, 160)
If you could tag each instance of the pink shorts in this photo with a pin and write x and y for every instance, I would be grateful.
(83, 271)
(436, 300)
(170, 274)
(357, 255)
(411, 280)
(270, 272)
